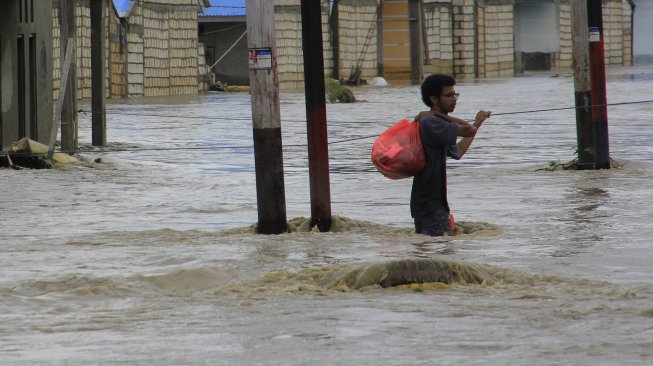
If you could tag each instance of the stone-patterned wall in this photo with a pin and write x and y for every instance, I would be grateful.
(439, 41)
(117, 57)
(358, 37)
(439, 38)
(617, 33)
(153, 52)
(498, 40)
(463, 38)
(83, 49)
(288, 34)
(156, 52)
(563, 60)
(481, 45)
(83, 29)
(183, 51)
(135, 53)
(202, 70)
(169, 47)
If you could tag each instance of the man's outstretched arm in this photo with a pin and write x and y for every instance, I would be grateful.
(466, 141)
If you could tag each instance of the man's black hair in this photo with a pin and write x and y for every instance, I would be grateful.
(432, 86)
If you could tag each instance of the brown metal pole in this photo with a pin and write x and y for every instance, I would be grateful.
(582, 85)
(318, 152)
(597, 67)
(266, 117)
(98, 79)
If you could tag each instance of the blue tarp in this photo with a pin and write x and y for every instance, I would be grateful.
(224, 8)
(123, 7)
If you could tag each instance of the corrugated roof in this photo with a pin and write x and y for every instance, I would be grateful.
(225, 8)
(123, 7)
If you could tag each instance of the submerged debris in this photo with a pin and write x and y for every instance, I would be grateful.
(336, 92)
(221, 86)
(573, 165)
(26, 153)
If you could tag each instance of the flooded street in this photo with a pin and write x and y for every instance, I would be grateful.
(144, 253)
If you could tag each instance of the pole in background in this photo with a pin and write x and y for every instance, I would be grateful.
(266, 117)
(69, 140)
(582, 85)
(318, 154)
(98, 79)
(597, 68)
(415, 36)
(334, 20)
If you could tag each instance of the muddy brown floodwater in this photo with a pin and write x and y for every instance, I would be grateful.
(147, 257)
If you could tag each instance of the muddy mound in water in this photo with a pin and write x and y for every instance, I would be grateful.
(387, 274)
(407, 271)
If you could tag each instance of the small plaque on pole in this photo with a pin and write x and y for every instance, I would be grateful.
(260, 58)
(595, 34)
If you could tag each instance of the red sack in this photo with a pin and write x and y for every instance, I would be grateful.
(397, 153)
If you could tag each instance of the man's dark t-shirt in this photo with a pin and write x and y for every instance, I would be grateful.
(429, 193)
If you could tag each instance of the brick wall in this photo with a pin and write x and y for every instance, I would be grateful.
(439, 41)
(135, 53)
(499, 46)
(563, 60)
(357, 37)
(463, 38)
(617, 35)
(154, 52)
(288, 34)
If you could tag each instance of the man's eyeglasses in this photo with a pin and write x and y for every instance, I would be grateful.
(451, 95)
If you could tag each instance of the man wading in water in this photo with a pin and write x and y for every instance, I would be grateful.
(439, 133)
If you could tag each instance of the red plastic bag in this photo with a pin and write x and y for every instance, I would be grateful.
(398, 153)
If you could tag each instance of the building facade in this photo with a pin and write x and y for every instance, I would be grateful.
(398, 39)
(152, 48)
(171, 47)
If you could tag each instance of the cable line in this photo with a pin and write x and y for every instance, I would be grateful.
(359, 122)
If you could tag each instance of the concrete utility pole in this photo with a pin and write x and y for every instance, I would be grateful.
(318, 151)
(597, 67)
(266, 117)
(582, 85)
(69, 140)
(98, 76)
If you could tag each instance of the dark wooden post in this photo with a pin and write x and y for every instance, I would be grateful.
(582, 86)
(98, 75)
(597, 68)
(69, 140)
(266, 117)
(334, 25)
(415, 32)
(318, 151)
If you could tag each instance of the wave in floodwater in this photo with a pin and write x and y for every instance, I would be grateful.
(180, 276)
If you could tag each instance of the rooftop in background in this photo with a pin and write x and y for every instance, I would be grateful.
(123, 7)
(224, 8)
